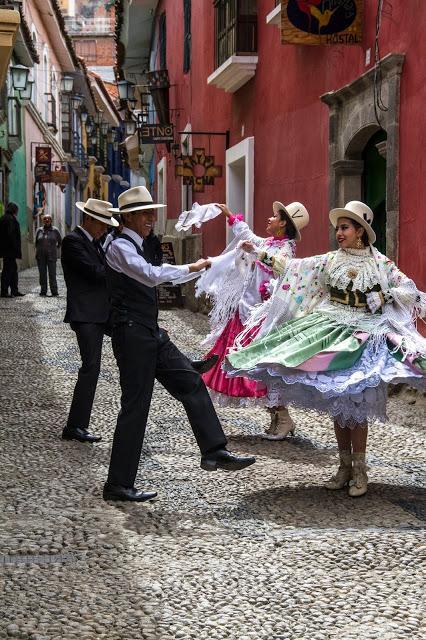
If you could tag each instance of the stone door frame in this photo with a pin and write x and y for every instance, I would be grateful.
(352, 122)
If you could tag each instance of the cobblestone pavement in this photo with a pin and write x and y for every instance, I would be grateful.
(266, 553)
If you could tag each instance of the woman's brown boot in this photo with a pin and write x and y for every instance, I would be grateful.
(281, 424)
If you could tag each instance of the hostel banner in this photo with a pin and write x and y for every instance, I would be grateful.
(321, 21)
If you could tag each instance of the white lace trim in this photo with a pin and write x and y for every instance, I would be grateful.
(356, 266)
(356, 394)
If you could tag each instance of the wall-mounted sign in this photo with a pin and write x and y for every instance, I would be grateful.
(198, 170)
(43, 155)
(169, 295)
(321, 21)
(60, 176)
(42, 172)
(156, 133)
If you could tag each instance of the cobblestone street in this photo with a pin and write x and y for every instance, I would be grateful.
(266, 553)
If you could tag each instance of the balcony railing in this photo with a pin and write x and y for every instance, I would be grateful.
(235, 28)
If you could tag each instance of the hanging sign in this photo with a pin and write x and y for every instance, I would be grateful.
(169, 295)
(156, 133)
(198, 170)
(321, 21)
(43, 155)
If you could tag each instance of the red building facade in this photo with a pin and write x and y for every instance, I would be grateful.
(319, 124)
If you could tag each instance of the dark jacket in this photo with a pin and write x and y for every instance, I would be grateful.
(10, 237)
(47, 242)
(84, 272)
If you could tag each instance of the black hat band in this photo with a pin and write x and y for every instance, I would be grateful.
(132, 205)
(95, 213)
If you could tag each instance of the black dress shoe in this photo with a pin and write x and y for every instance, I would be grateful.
(18, 294)
(224, 459)
(82, 435)
(202, 366)
(5, 295)
(43, 295)
(126, 494)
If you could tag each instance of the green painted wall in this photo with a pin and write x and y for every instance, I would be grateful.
(18, 186)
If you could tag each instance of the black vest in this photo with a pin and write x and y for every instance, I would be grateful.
(130, 299)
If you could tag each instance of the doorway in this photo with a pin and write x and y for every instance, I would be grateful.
(374, 185)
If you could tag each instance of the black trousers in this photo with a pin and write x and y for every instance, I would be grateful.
(90, 338)
(143, 355)
(9, 276)
(45, 266)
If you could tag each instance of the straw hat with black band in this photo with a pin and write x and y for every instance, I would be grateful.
(134, 200)
(98, 209)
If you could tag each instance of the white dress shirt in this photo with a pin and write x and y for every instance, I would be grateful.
(86, 233)
(123, 257)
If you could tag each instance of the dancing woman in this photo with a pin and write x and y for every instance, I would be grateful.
(356, 334)
(236, 287)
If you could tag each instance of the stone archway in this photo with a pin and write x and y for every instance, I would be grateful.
(352, 124)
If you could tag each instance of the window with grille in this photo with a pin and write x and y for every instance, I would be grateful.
(163, 41)
(186, 35)
(235, 28)
(86, 49)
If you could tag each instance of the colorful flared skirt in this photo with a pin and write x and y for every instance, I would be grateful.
(316, 363)
(236, 390)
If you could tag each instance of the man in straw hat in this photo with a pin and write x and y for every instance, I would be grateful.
(144, 353)
(88, 309)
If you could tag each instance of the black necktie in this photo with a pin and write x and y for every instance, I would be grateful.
(98, 248)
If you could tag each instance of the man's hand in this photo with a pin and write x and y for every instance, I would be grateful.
(199, 265)
(247, 246)
(225, 209)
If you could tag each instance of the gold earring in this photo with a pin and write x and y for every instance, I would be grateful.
(279, 233)
(359, 244)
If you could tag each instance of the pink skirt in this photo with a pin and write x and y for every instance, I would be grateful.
(216, 379)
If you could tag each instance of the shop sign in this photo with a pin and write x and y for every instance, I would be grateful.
(60, 177)
(42, 172)
(156, 133)
(169, 295)
(321, 21)
(198, 170)
(43, 155)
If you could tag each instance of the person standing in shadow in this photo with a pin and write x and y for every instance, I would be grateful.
(10, 251)
(47, 241)
(88, 309)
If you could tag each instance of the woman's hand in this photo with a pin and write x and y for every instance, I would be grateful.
(225, 209)
(247, 246)
(199, 265)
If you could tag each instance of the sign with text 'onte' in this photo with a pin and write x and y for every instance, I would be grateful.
(321, 21)
(156, 133)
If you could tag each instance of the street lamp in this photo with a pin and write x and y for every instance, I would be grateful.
(104, 128)
(19, 75)
(126, 90)
(27, 93)
(99, 117)
(130, 127)
(132, 103)
(76, 100)
(67, 84)
(84, 115)
(93, 139)
(89, 127)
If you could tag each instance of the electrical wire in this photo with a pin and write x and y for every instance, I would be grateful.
(379, 105)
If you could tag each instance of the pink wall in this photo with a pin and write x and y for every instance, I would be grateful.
(281, 108)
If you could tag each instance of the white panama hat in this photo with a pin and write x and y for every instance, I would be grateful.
(297, 214)
(358, 211)
(98, 209)
(136, 199)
